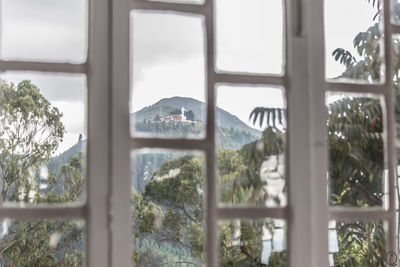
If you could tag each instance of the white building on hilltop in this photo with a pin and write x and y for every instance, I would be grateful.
(183, 117)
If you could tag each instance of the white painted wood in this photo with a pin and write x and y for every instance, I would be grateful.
(167, 6)
(390, 128)
(211, 180)
(179, 144)
(314, 32)
(355, 87)
(62, 211)
(254, 213)
(249, 79)
(349, 214)
(299, 225)
(120, 208)
(41, 66)
(98, 143)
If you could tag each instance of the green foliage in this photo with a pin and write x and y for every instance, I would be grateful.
(360, 244)
(356, 152)
(174, 212)
(27, 243)
(31, 131)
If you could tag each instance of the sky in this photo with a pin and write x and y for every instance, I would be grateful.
(168, 51)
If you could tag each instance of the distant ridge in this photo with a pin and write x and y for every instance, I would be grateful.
(164, 106)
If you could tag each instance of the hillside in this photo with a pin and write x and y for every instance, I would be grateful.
(163, 107)
(55, 163)
(233, 133)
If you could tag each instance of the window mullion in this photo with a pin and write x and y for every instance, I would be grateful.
(308, 219)
(390, 138)
(98, 157)
(318, 131)
(210, 185)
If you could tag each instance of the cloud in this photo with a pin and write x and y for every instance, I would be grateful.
(342, 24)
(249, 36)
(54, 86)
(241, 100)
(164, 38)
(44, 30)
(168, 57)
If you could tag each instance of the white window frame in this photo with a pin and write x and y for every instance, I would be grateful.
(97, 70)
(108, 208)
(307, 213)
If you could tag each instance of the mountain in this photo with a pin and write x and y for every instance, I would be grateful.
(55, 163)
(230, 133)
(163, 107)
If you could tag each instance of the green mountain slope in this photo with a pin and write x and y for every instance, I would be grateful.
(233, 133)
(165, 106)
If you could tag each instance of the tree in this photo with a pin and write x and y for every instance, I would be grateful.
(171, 210)
(30, 132)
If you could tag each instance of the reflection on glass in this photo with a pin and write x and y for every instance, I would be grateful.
(168, 211)
(42, 243)
(44, 30)
(354, 41)
(42, 137)
(250, 133)
(167, 97)
(356, 150)
(252, 243)
(360, 243)
(249, 36)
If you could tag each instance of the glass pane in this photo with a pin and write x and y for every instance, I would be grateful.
(356, 150)
(168, 89)
(353, 41)
(168, 211)
(361, 243)
(249, 36)
(252, 243)
(395, 12)
(44, 30)
(42, 137)
(250, 132)
(42, 243)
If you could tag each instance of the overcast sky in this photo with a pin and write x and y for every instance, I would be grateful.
(168, 52)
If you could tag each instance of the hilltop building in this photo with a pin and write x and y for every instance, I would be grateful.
(175, 117)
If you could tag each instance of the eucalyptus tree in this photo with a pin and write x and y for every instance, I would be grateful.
(30, 132)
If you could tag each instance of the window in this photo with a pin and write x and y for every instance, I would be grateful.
(180, 175)
(54, 133)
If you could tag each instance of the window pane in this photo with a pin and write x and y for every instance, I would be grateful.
(43, 137)
(42, 243)
(353, 41)
(395, 12)
(44, 30)
(250, 132)
(356, 150)
(252, 243)
(167, 98)
(168, 211)
(361, 243)
(249, 36)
